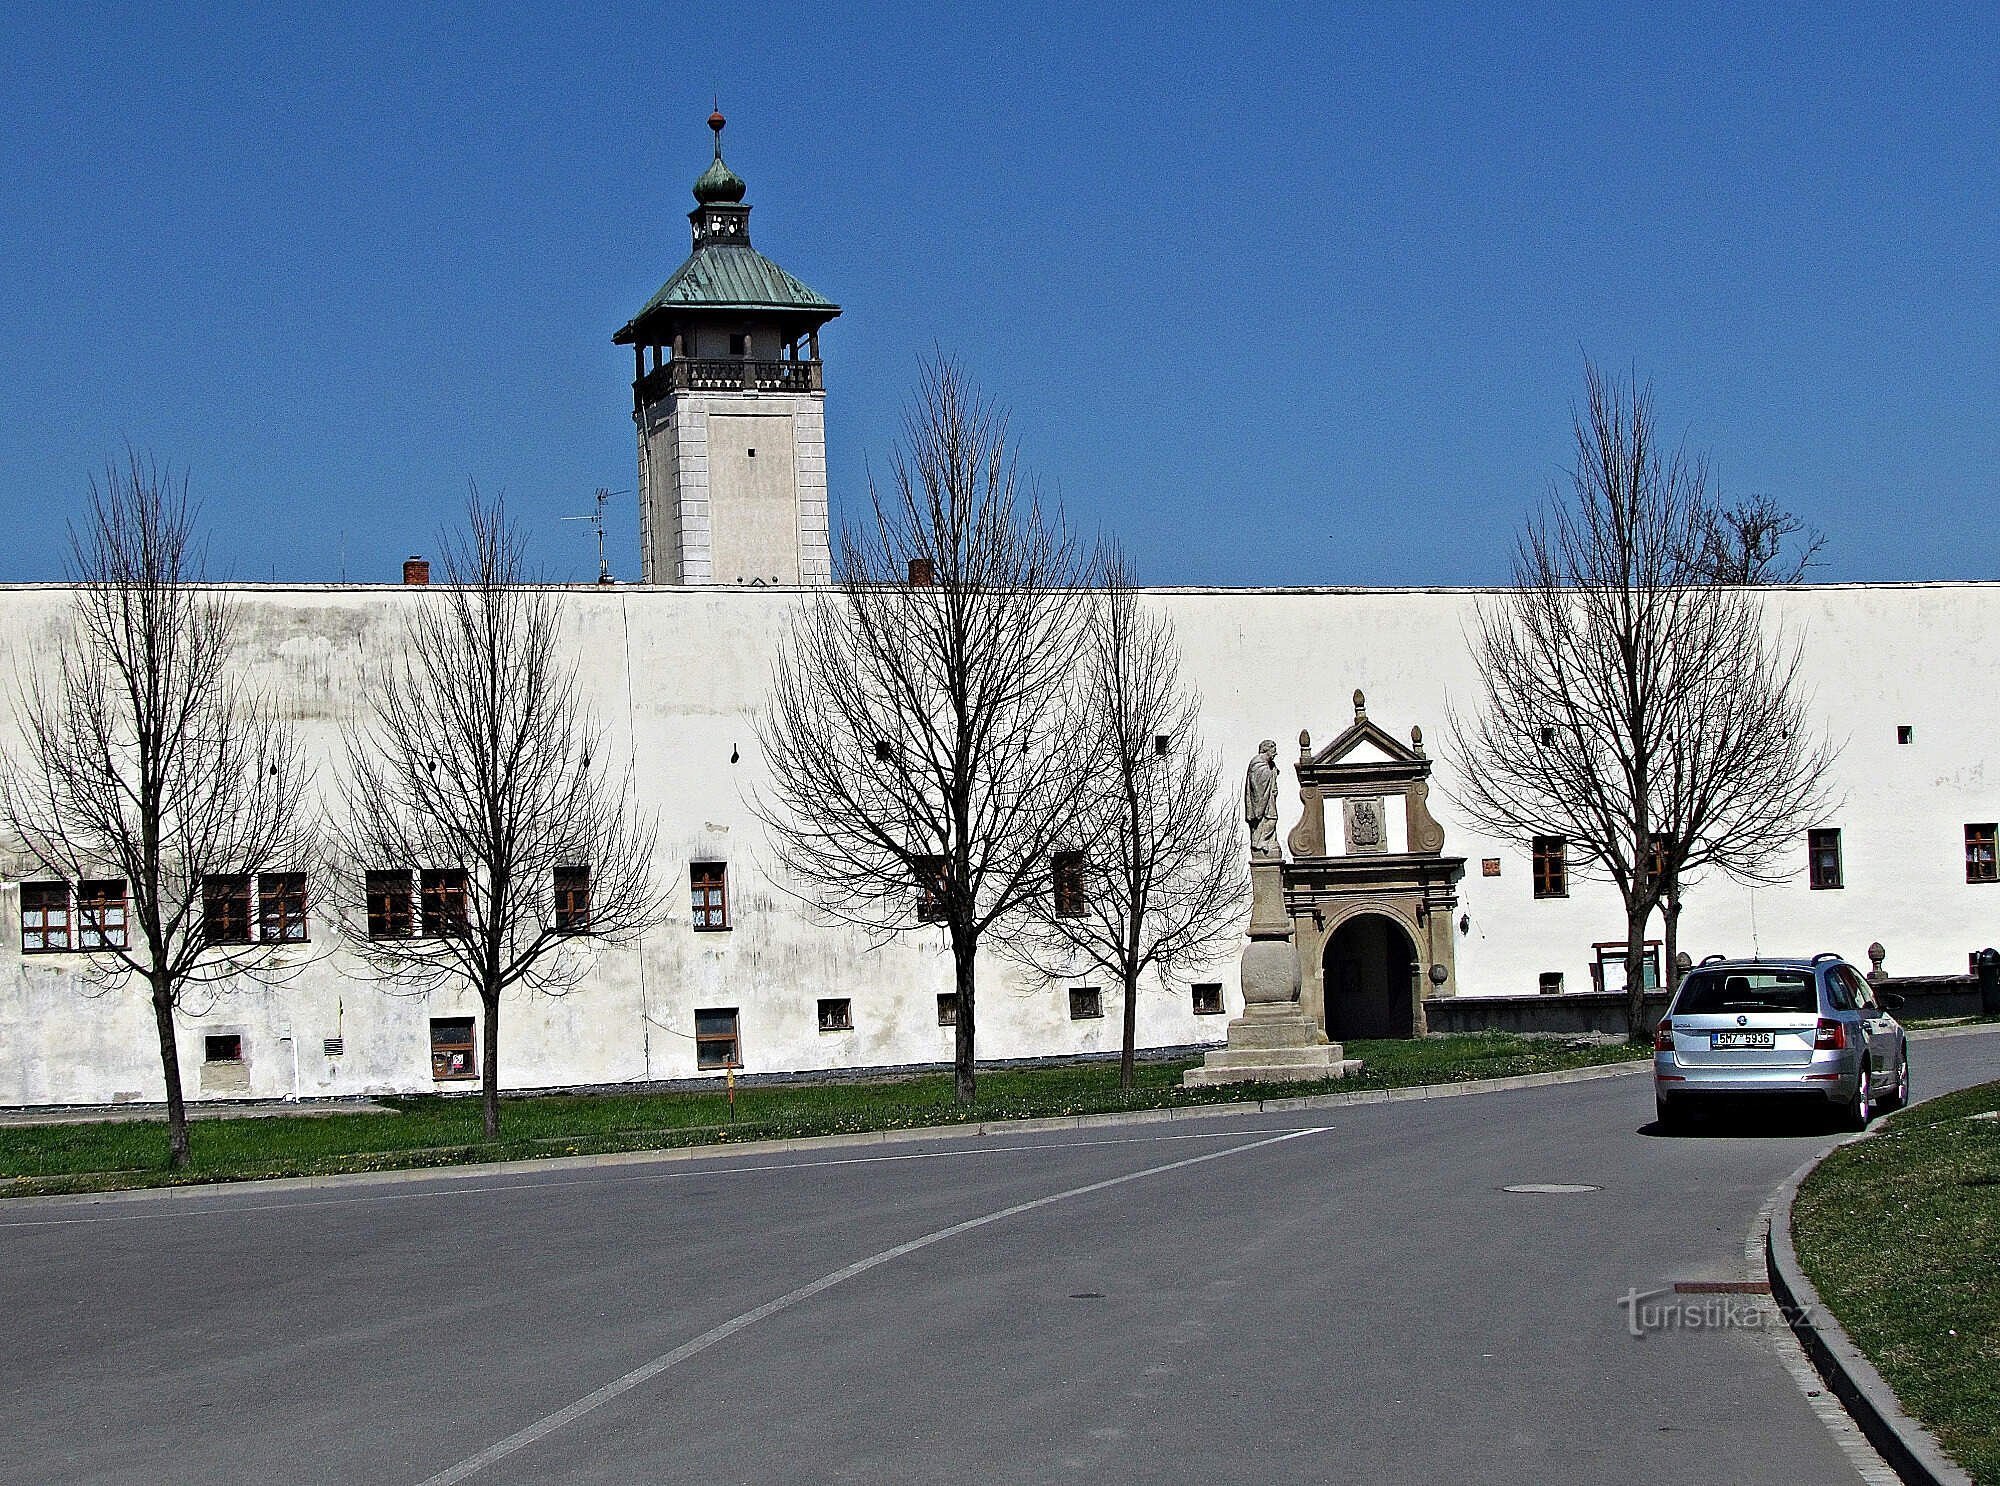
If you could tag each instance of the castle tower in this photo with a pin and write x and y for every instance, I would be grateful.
(730, 405)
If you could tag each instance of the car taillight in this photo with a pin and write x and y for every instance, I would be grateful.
(1663, 1038)
(1831, 1036)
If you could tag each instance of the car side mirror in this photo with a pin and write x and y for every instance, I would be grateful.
(1890, 1001)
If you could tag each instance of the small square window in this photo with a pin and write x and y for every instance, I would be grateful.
(1548, 737)
(751, 452)
(389, 906)
(44, 917)
(1086, 1003)
(222, 1047)
(708, 889)
(572, 906)
(1208, 998)
(884, 750)
(1163, 744)
(836, 1014)
(716, 1044)
(947, 1010)
(1906, 735)
(441, 898)
(1550, 982)
(1823, 860)
(452, 1054)
(1489, 866)
(1980, 864)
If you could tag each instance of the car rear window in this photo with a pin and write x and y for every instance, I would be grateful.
(1708, 991)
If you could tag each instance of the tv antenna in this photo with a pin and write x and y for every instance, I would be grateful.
(596, 519)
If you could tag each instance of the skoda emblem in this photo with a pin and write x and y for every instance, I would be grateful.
(1743, 1021)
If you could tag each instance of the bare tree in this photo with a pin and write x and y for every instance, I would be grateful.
(1155, 879)
(1589, 664)
(155, 785)
(1746, 544)
(923, 736)
(483, 784)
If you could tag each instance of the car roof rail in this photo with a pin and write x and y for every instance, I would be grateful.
(1825, 954)
(1715, 959)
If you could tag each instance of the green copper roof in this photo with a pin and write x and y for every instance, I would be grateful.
(718, 182)
(730, 276)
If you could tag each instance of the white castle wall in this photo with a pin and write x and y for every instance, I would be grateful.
(676, 675)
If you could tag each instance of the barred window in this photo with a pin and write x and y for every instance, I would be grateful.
(44, 917)
(102, 914)
(708, 890)
(572, 900)
(442, 892)
(225, 909)
(281, 907)
(390, 913)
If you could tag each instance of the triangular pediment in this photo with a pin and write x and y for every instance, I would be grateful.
(1365, 743)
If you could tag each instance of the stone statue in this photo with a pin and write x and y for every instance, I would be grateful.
(1260, 802)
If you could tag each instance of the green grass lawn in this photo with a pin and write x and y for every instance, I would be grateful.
(1901, 1236)
(432, 1131)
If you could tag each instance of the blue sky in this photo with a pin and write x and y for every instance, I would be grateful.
(1280, 295)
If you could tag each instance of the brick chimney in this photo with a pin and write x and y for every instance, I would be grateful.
(416, 572)
(923, 572)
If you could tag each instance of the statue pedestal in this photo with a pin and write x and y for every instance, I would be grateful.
(1273, 1041)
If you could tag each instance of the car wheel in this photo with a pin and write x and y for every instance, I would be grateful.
(1902, 1096)
(1861, 1109)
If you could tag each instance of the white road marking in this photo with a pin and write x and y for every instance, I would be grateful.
(645, 1373)
(682, 1169)
(1551, 1188)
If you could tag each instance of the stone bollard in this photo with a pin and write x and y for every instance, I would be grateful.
(1989, 982)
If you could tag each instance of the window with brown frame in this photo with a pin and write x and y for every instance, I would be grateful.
(1551, 867)
(102, 915)
(453, 1052)
(716, 1043)
(390, 914)
(225, 909)
(930, 874)
(1071, 894)
(1980, 863)
(281, 907)
(1208, 998)
(1823, 860)
(1656, 856)
(44, 917)
(441, 895)
(572, 900)
(708, 890)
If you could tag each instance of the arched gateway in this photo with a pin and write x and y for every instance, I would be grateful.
(1373, 925)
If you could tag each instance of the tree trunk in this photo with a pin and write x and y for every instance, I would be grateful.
(1635, 973)
(489, 1072)
(963, 953)
(1670, 938)
(178, 1153)
(1131, 1035)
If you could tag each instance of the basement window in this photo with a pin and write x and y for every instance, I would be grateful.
(836, 1014)
(451, 1048)
(222, 1047)
(716, 1043)
(1550, 982)
(1086, 1003)
(1208, 998)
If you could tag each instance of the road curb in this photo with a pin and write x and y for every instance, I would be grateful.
(1911, 1450)
(463, 1171)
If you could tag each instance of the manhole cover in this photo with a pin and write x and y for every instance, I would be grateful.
(1554, 1187)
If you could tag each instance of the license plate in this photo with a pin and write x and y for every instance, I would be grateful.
(1743, 1039)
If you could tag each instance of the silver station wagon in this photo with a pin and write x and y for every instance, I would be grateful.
(1770, 1028)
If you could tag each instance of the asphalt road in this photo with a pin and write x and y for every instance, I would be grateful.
(1343, 1294)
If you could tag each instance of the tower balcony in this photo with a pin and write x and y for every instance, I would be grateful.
(728, 374)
